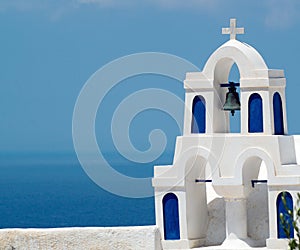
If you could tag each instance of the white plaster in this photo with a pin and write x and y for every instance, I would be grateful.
(233, 30)
(257, 215)
(236, 218)
(297, 147)
(110, 238)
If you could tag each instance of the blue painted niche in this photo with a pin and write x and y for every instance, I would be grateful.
(255, 114)
(281, 209)
(171, 217)
(199, 115)
(278, 114)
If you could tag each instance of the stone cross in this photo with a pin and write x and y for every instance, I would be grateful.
(233, 30)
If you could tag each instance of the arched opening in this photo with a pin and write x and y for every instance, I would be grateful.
(235, 121)
(216, 212)
(255, 114)
(285, 227)
(255, 176)
(278, 114)
(199, 115)
(171, 217)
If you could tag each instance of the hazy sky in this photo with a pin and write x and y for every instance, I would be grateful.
(49, 48)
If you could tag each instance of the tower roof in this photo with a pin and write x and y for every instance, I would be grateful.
(249, 61)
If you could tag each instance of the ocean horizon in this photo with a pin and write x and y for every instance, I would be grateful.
(52, 190)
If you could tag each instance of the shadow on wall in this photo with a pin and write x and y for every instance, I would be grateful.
(258, 215)
(216, 231)
(257, 222)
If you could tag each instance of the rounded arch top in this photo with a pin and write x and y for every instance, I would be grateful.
(250, 63)
(195, 154)
(254, 153)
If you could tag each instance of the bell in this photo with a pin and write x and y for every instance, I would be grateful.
(232, 102)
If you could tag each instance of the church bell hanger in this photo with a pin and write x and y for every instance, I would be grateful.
(232, 102)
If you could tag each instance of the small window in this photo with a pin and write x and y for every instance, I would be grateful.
(255, 114)
(278, 114)
(171, 217)
(199, 115)
(288, 220)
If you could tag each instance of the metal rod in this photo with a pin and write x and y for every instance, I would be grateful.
(230, 84)
(199, 180)
(257, 181)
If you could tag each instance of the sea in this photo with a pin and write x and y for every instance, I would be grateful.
(49, 191)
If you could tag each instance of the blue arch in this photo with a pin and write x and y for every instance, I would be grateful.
(278, 114)
(199, 115)
(255, 114)
(171, 217)
(281, 208)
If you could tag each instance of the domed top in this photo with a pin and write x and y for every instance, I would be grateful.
(249, 61)
(252, 67)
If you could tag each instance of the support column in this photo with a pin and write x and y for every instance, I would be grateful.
(236, 217)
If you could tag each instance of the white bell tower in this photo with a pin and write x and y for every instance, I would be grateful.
(206, 197)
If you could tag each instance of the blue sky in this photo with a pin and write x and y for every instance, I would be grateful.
(50, 48)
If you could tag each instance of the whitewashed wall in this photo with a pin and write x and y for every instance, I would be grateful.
(110, 238)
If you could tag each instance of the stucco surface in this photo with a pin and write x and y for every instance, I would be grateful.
(110, 238)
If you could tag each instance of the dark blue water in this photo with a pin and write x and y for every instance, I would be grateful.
(54, 192)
